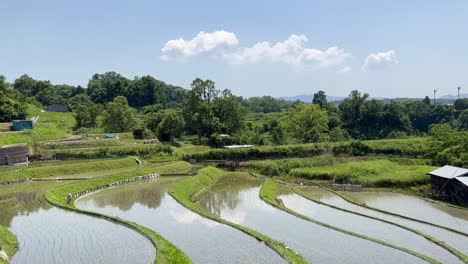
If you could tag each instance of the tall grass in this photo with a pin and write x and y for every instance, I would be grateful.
(50, 125)
(8, 243)
(411, 147)
(284, 166)
(371, 173)
(90, 168)
(140, 150)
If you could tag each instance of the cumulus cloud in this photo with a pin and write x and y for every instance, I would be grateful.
(291, 51)
(202, 43)
(379, 60)
(344, 70)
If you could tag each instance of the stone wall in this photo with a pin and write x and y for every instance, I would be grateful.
(72, 196)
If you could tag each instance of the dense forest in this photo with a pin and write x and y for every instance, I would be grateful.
(151, 108)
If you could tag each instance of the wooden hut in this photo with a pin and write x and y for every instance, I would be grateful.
(58, 108)
(12, 154)
(450, 183)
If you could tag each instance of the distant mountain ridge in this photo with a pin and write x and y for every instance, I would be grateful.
(307, 98)
(449, 96)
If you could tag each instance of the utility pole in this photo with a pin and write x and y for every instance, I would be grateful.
(459, 88)
(435, 91)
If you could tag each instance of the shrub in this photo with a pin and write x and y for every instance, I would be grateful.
(355, 148)
(270, 169)
(217, 141)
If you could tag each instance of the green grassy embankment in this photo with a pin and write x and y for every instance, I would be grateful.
(411, 147)
(50, 125)
(8, 243)
(185, 192)
(167, 253)
(141, 150)
(269, 192)
(83, 169)
(371, 173)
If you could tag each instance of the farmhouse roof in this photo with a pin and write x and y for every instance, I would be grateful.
(15, 145)
(449, 172)
(238, 146)
(463, 180)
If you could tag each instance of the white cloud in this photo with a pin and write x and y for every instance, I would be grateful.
(202, 43)
(379, 60)
(344, 70)
(290, 51)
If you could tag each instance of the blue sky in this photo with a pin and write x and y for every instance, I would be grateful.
(279, 48)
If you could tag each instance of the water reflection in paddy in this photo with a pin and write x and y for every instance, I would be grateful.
(47, 234)
(416, 208)
(235, 198)
(458, 241)
(367, 226)
(204, 240)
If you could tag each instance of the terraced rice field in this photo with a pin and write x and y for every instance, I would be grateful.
(458, 241)
(416, 208)
(47, 234)
(368, 227)
(203, 240)
(236, 198)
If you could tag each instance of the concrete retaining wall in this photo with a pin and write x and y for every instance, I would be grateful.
(71, 196)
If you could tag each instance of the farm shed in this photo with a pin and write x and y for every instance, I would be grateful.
(22, 124)
(238, 146)
(57, 108)
(451, 184)
(12, 154)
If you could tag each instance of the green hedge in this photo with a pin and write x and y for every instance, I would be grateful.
(113, 152)
(371, 173)
(303, 150)
(412, 147)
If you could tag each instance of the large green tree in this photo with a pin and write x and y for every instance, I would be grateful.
(10, 107)
(462, 121)
(229, 112)
(119, 116)
(351, 109)
(25, 84)
(144, 91)
(171, 125)
(206, 110)
(448, 146)
(103, 88)
(307, 123)
(320, 98)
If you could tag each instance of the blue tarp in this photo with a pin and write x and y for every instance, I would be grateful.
(22, 124)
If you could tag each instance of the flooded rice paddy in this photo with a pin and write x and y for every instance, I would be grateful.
(47, 234)
(368, 227)
(455, 240)
(236, 198)
(416, 208)
(203, 240)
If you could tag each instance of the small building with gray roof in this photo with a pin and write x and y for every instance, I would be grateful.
(450, 183)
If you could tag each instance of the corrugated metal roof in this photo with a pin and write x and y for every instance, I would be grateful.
(449, 172)
(238, 146)
(463, 180)
(15, 145)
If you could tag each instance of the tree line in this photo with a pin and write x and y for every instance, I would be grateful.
(150, 107)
